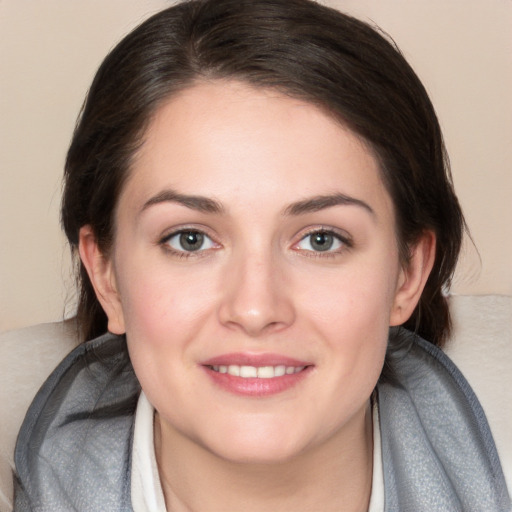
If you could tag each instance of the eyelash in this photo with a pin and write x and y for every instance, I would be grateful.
(345, 241)
(164, 243)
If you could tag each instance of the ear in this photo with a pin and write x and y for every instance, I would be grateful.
(101, 273)
(412, 278)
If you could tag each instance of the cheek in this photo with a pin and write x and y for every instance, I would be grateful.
(164, 313)
(351, 312)
(355, 299)
(159, 301)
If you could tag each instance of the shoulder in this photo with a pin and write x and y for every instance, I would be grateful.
(27, 356)
(80, 418)
(482, 349)
(458, 424)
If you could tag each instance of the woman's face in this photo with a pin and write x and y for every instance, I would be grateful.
(255, 271)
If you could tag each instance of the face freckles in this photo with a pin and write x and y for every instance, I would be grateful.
(254, 231)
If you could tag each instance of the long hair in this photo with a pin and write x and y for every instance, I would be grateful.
(303, 49)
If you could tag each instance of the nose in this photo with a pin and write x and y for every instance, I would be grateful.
(256, 298)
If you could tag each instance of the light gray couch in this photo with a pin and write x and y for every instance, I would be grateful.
(481, 347)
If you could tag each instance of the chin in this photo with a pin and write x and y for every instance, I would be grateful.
(260, 455)
(266, 446)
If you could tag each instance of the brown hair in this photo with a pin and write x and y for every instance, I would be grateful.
(303, 49)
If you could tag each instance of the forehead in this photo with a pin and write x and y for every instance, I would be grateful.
(215, 137)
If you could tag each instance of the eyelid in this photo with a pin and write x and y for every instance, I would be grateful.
(163, 241)
(341, 235)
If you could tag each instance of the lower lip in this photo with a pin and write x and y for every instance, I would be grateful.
(256, 387)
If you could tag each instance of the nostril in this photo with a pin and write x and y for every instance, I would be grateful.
(252, 299)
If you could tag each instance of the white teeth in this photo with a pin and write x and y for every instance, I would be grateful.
(279, 371)
(261, 372)
(233, 369)
(248, 371)
(265, 372)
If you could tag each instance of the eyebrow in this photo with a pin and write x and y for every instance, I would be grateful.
(317, 203)
(199, 203)
(208, 205)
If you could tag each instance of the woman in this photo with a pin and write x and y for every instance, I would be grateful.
(258, 191)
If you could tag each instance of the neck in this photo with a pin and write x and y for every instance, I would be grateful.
(336, 474)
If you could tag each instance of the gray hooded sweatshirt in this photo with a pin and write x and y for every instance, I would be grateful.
(74, 448)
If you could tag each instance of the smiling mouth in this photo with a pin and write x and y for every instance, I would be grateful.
(256, 372)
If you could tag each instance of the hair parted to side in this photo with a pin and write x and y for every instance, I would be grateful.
(297, 47)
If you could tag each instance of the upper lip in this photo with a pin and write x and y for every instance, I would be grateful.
(248, 359)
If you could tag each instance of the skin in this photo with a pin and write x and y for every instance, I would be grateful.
(256, 286)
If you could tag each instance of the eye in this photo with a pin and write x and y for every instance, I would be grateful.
(322, 241)
(189, 241)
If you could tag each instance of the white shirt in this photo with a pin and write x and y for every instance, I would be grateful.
(147, 493)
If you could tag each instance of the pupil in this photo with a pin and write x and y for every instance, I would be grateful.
(191, 241)
(321, 241)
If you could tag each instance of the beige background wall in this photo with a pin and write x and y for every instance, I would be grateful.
(49, 50)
